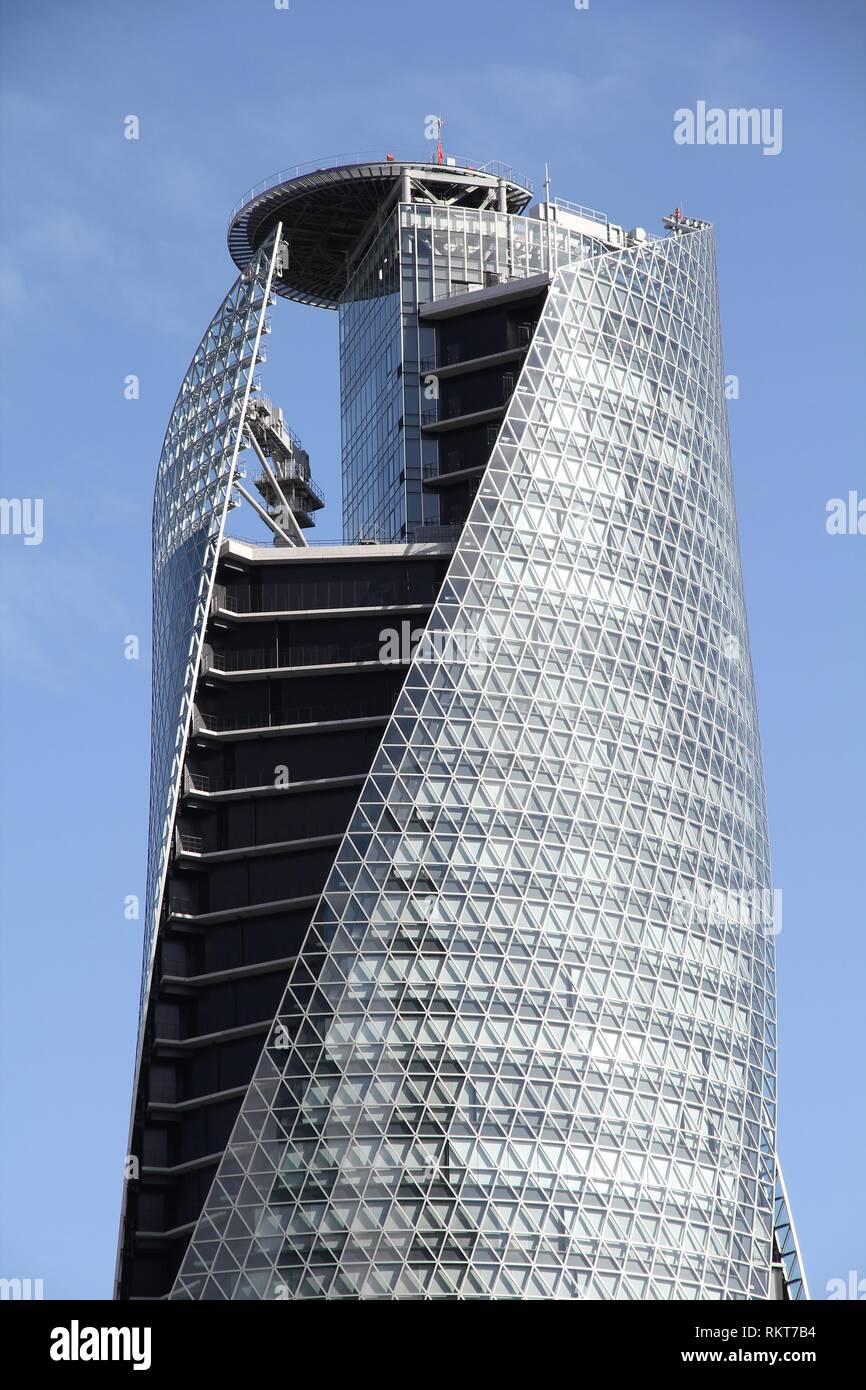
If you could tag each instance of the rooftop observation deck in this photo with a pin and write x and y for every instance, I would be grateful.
(326, 207)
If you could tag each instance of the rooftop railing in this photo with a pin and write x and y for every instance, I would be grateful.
(579, 210)
(337, 161)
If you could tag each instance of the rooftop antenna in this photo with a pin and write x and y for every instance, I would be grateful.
(440, 153)
(548, 217)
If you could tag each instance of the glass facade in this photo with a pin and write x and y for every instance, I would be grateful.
(371, 393)
(527, 1049)
(424, 252)
(192, 489)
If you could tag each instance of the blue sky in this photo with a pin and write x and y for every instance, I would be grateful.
(112, 260)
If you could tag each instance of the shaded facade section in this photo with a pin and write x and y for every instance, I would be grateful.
(289, 708)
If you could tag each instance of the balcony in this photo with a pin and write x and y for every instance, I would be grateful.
(437, 423)
(316, 595)
(279, 719)
(457, 366)
(314, 834)
(290, 657)
(291, 472)
(434, 476)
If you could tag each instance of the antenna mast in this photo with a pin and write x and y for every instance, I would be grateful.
(548, 215)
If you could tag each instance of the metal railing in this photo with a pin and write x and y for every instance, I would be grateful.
(433, 471)
(292, 473)
(277, 421)
(288, 718)
(416, 535)
(273, 659)
(522, 339)
(184, 907)
(336, 161)
(591, 213)
(310, 827)
(193, 844)
(208, 783)
(317, 594)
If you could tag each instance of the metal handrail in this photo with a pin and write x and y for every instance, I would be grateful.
(293, 473)
(419, 535)
(314, 654)
(336, 161)
(579, 209)
(278, 719)
(281, 426)
(435, 470)
(317, 594)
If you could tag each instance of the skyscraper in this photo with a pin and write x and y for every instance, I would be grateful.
(459, 963)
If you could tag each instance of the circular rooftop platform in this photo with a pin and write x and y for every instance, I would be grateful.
(325, 209)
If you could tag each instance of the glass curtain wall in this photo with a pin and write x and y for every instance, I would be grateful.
(424, 252)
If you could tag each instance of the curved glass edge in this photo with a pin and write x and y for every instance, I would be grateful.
(786, 1247)
(194, 477)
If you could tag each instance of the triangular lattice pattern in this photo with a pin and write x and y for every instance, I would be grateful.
(192, 488)
(518, 1056)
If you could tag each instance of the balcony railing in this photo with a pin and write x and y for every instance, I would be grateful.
(286, 718)
(415, 535)
(336, 161)
(455, 409)
(434, 472)
(293, 473)
(192, 844)
(303, 597)
(182, 906)
(274, 658)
